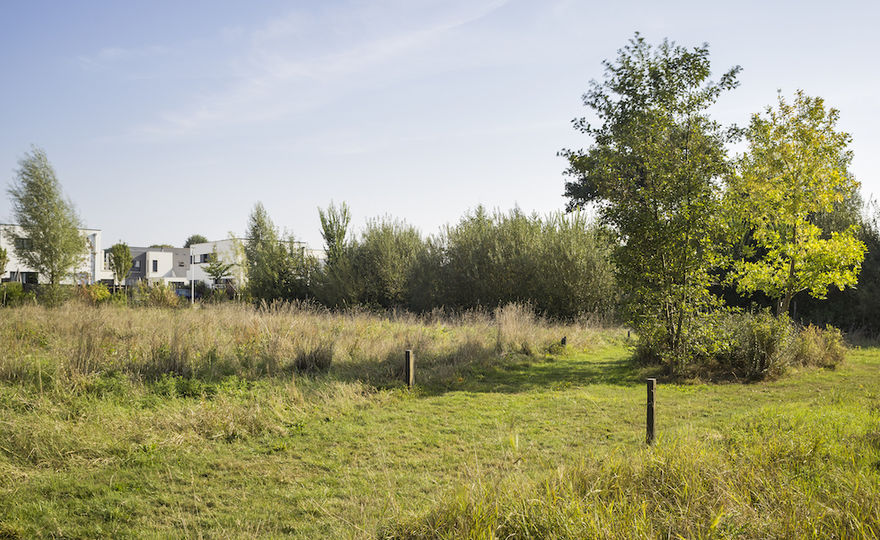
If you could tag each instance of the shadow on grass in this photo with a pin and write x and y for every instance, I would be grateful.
(524, 374)
(509, 373)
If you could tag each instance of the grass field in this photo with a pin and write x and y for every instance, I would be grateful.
(502, 438)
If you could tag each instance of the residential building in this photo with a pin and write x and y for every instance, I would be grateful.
(230, 251)
(157, 265)
(91, 268)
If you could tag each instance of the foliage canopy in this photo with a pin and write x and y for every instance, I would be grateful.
(195, 239)
(47, 219)
(795, 169)
(653, 174)
(120, 261)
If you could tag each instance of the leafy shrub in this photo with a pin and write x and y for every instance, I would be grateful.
(12, 294)
(158, 295)
(751, 346)
(383, 262)
(560, 264)
(94, 294)
(818, 347)
(757, 345)
(215, 296)
(53, 295)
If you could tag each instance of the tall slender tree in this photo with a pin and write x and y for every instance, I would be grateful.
(277, 268)
(54, 245)
(334, 229)
(120, 262)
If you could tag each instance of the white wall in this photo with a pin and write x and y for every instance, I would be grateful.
(89, 270)
(227, 251)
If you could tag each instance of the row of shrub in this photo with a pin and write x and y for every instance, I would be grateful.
(559, 264)
(747, 346)
(14, 294)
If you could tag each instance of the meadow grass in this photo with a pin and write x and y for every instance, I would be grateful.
(197, 423)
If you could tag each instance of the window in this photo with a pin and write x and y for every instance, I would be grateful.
(23, 244)
(206, 257)
(137, 264)
(155, 265)
(180, 264)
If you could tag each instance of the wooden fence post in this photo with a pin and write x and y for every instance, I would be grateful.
(652, 384)
(409, 368)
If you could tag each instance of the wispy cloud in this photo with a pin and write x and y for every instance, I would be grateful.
(283, 72)
(111, 56)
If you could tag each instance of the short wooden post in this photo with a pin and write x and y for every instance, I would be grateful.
(409, 368)
(652, 384)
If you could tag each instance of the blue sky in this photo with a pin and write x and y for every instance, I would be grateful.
(164, 119)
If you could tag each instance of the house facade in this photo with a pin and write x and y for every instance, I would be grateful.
(91, 268)
(229, 251)
(157, 266)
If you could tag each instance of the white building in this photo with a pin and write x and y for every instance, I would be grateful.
(229, 251)
(156, 266)
(91, 269)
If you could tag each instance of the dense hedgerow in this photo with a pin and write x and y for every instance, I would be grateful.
(560, 265)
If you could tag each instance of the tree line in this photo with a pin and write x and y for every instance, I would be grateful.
(559, 264)
(683, 231)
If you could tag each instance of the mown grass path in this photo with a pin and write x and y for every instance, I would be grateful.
(346, 469)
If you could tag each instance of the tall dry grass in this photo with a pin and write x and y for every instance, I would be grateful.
(64, 346)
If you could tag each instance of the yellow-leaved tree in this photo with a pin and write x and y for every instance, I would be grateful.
(795, 169)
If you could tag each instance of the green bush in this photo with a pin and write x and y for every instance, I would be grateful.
(742, 345)
(559, 264)
(215, 296)
(757, 345)
(158, 295)
(819, 347)
(12, 294)
(94, 294)
(383, 262)
(53, 295)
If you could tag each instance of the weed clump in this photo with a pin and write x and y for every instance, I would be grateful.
(315, 359)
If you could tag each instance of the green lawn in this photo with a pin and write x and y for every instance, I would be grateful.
(327, 458)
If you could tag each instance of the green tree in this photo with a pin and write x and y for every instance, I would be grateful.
(277, 269)
(337, 284)
(795, 170)
(216, 268)
(261, 254)
(195, 239)
(55, 245)
(120, 262)
(334, 229)
(653, 175)
(384, 260)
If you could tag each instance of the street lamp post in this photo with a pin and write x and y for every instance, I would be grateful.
(192, 273)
